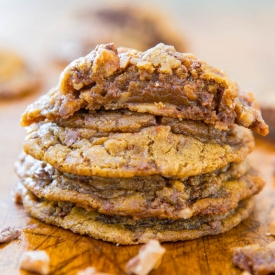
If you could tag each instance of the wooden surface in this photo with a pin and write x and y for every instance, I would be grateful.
(242, 43)
(70, 252)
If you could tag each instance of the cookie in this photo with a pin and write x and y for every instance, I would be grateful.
(87, 152)
(255, 259)
(144, 197)
(15, 78)
(160, 81)
(129, 26)
(138, 145)
(124, 121)
(126, 231)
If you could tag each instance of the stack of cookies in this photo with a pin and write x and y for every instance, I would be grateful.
(141, 145)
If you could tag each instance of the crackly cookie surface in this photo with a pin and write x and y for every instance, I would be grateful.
(110, 152)
(160, 81)
(141, 197)
(123, 230)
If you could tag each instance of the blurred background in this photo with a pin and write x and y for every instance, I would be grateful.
(39, 38)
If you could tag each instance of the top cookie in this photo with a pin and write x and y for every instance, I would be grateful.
(160, 81)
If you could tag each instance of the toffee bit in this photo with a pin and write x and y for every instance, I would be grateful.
(36, 261)
(148, 258)
(255, 259)
(8, 234)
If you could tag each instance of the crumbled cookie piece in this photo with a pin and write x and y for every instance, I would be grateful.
(159, 59)
(148, 258)
(17, 197)
(36, 261)
(255, 259)
(8, 234)
(91, 271)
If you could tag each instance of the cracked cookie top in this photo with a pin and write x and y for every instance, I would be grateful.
(136, 152)
(159, 81)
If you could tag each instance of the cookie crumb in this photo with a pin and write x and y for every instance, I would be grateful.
(36, 261)
(8, 234)
(255, 259)
(91, 271)
(148, 258)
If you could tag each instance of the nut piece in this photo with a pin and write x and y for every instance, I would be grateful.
(91, 271)
(37, 261)
(255, 259)
(148, 258)
(8, 234)
(106, 61)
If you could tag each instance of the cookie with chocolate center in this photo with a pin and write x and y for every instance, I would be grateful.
(160, 81)
(125, 230)
(137, 145)
(144, 197)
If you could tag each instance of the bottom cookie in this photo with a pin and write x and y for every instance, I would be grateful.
(127, 231)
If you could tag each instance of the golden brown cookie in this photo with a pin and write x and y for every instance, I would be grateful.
(153, 150)
(138, 145)
(144, 197)
(15, 78)
(159, 81)
(129, 26)
(124, 230)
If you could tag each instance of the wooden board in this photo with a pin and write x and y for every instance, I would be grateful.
(70, 252)
(242, 37)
